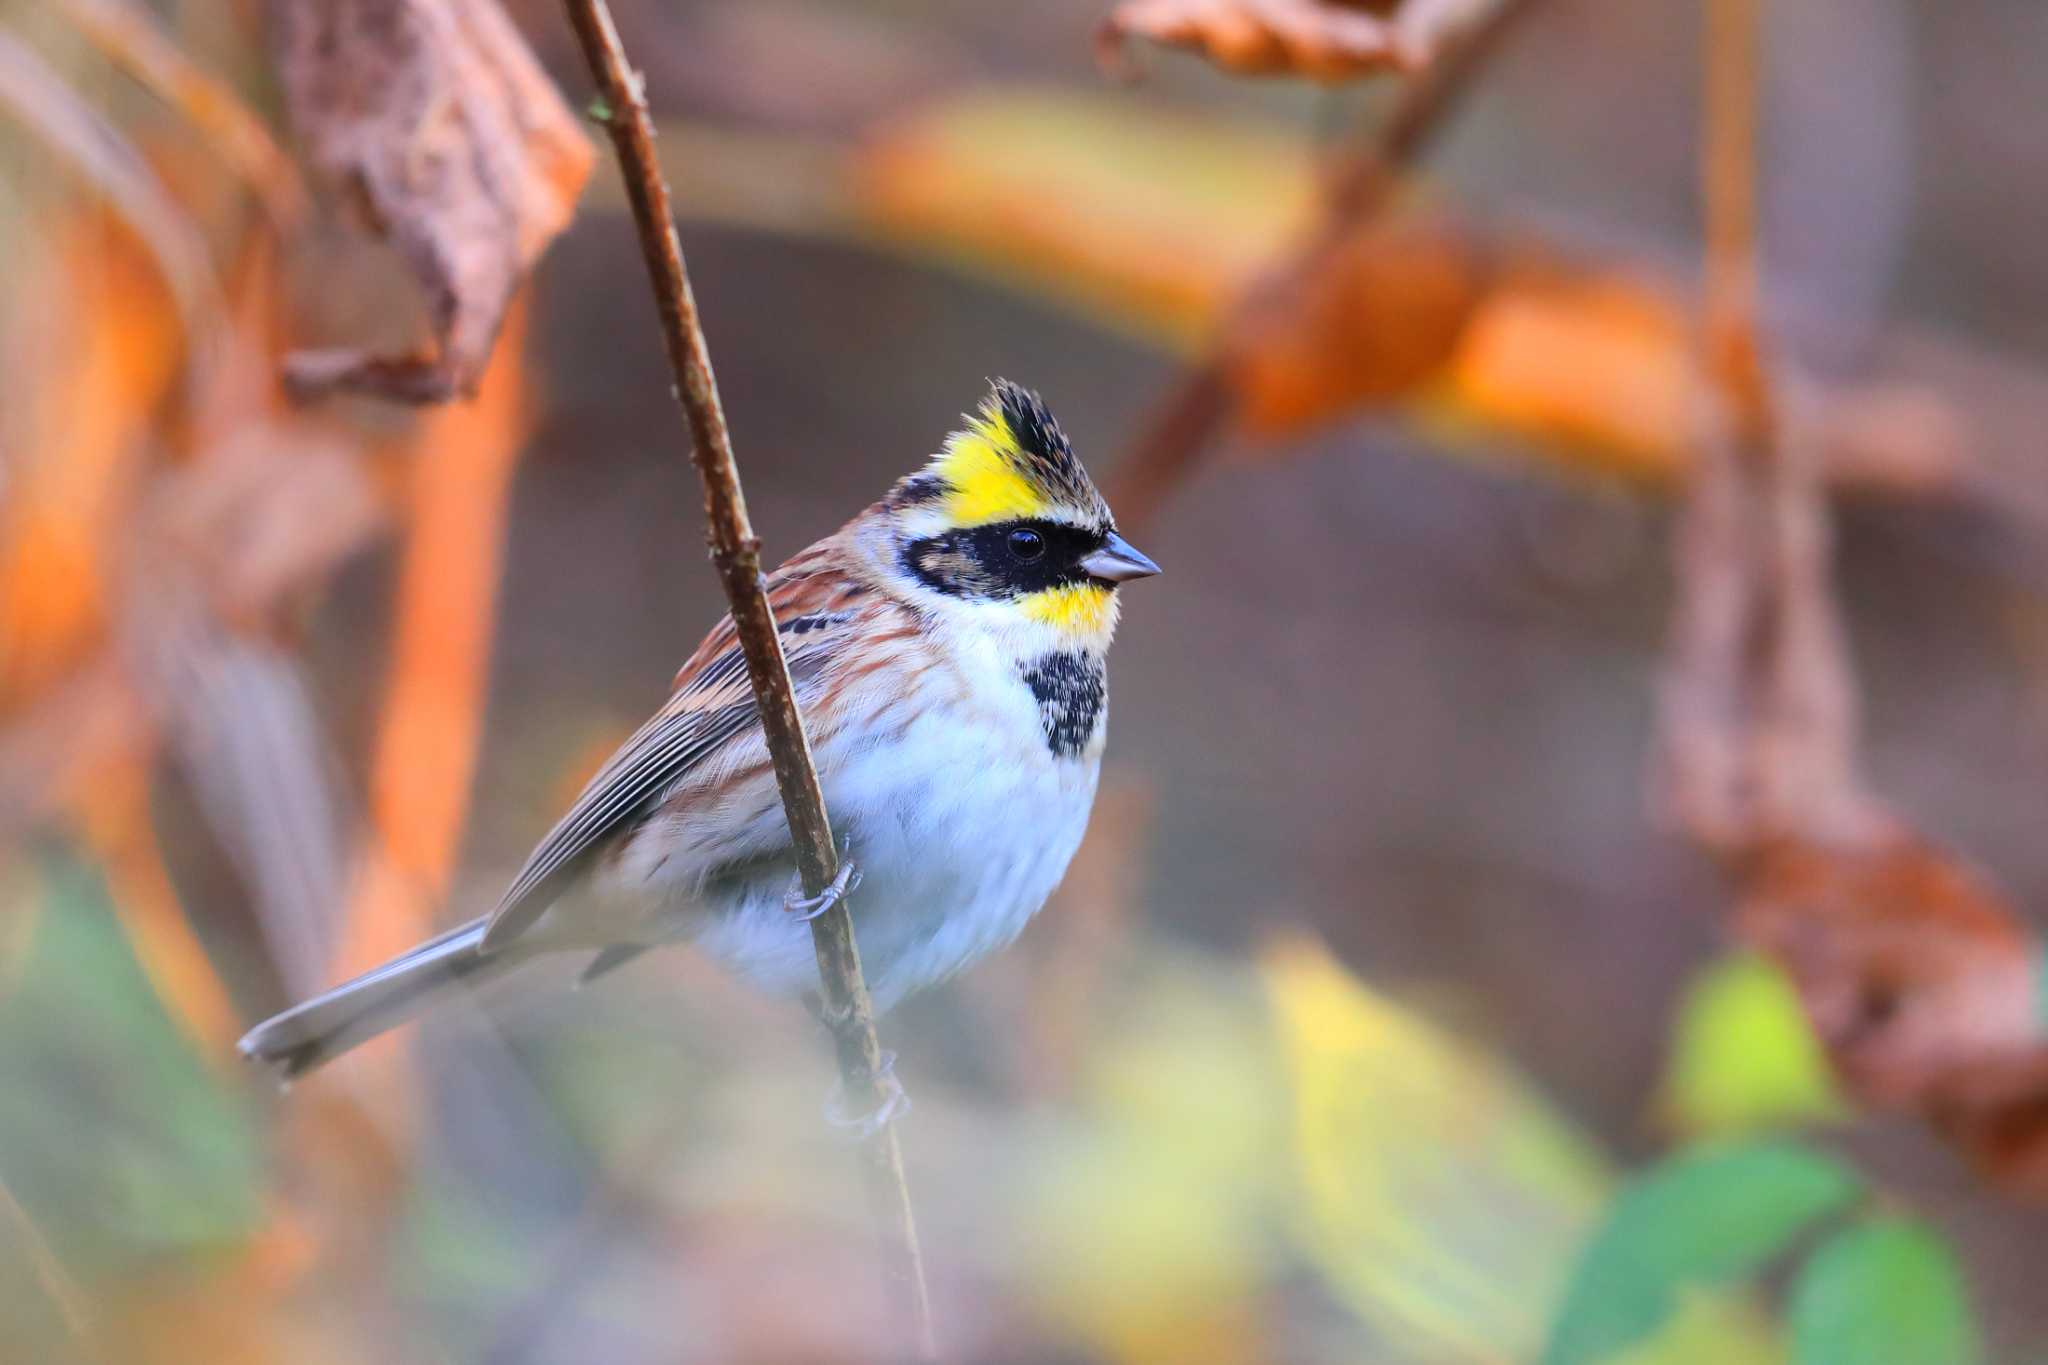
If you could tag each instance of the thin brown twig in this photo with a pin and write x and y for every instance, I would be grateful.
(1798, 762)
(736, 554)
(1182, 428)
(1732, 331)
(1759, 716)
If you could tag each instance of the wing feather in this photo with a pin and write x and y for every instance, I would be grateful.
(712, 706)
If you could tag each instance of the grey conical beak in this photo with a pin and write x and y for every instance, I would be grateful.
(1117, 561)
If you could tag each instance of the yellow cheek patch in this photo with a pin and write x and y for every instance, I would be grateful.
(986, 485)
(1077, 608)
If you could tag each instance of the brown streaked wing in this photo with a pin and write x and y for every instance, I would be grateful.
(712, 705)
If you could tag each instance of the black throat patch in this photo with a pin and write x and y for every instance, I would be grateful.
(1071, 689)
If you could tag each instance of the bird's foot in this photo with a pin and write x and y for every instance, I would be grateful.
(808, 908)
(892, 1103)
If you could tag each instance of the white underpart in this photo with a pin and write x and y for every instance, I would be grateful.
(961, 832)
(961, 819)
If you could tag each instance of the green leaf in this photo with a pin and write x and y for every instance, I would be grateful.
(1887, 1289)
(1744, 1056)
(1707, 1216)
(133, 1147)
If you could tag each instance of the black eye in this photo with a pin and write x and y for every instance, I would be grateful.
(1026, 544)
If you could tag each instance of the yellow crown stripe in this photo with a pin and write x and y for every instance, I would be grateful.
(987, 484)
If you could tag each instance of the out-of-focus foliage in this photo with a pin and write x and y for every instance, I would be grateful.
(1884, 1289)
(78, 440)
(1873, 1289)
(1145, 1224)
(42, 101)
(1435, 1186)
(1705, 1219)
(1478, 332)
(1743, 1055)
(1222, 1137)
(1033, 186)
(144, 1151)
(136, 41)
(1154, 1130)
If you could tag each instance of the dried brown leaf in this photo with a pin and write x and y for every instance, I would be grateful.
(1321, 40)
(1381, 316)
(436, 118)
(1996, 1111)
(1599, 363)
(1912, 967)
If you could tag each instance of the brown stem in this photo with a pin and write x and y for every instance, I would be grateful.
(1181, 429)
(1734, 352)
(1427, 101)
(1758, 717)
(736, 554)
(1173, 441)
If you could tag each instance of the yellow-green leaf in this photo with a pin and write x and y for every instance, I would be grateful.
(1743, 1055)
(1439, 1194)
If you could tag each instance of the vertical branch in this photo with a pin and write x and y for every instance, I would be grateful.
(1734, 355)
(736, 554)
(1758, 722)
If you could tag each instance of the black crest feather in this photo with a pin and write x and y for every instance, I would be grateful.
(1043, 444)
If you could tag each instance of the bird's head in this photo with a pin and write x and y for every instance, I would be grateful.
(1005, 517)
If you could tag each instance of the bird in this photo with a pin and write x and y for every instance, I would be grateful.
(948, 649)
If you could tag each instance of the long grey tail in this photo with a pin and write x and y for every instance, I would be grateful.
(382, 998)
